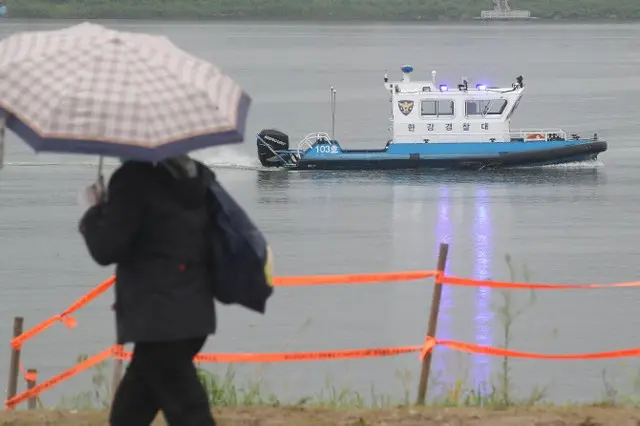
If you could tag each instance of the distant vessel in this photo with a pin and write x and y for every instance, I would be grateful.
(503, 12)
(3, 9)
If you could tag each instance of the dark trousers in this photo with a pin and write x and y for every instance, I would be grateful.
(162, 377)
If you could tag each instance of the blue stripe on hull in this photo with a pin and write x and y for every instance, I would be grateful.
(477, 148)
(422, 164)
(455, 156)
(436, 150)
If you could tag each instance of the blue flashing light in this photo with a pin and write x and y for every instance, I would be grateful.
(444, 87)
(407, 69)
(481, 86)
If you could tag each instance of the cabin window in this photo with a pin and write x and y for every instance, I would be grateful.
(437, 108)
(429, 108)
(486, 106)
(445, 107)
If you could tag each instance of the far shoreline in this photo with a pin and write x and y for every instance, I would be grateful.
(316, 21)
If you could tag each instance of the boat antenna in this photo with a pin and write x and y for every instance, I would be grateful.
(333, 113)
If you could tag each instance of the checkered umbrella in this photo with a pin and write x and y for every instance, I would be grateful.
(88, 89)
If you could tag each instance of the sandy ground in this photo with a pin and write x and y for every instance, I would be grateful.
(274, 416)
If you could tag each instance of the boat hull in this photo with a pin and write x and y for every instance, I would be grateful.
(439, 158)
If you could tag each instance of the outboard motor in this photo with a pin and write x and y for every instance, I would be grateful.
(269, 141)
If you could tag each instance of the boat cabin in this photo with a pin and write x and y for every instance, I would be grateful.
(432, 112)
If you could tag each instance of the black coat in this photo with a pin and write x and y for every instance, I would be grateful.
(154, 227)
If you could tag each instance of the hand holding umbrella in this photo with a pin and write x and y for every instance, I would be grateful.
(95, 193)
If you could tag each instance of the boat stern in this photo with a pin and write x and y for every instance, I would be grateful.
(273, 148)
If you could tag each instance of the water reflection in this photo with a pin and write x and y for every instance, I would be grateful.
(551, 176)
(482, 249)
(423, 206)
(273, 186)
(482, 256)
(444, 232)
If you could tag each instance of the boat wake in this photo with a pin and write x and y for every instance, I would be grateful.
(229, 158)
(88, 164)
(222, 157)
(590, 164)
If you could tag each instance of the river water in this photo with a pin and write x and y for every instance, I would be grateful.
(569, 224)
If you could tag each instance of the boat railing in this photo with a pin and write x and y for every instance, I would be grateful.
(533, 135)
(466, 136)
(308, 141)
(522, 135)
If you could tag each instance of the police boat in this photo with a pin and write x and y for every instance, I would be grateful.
(440, 127)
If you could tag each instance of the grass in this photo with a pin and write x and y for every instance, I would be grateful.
(226, 390)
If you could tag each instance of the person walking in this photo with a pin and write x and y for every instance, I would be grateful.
(153, 224)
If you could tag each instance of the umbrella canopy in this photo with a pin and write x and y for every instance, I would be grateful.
(88, 89)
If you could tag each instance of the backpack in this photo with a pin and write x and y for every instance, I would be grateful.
(241, 259)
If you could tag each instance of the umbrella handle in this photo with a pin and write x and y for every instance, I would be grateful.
(103, 192)
(100, 162)
(3, 124)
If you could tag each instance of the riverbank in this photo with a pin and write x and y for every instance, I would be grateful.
(406, 416)
(329, 10)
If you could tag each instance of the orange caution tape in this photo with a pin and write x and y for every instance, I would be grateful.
(70, 322)
(17, 342)
(64, 317)
(32, 393)
(489, 350)
(28, 376)
(306, 356)
(119, 353)
(429, 344)
(290, 281)
(515, 285)
(93, 294)
(292, 356)
(351, 278)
